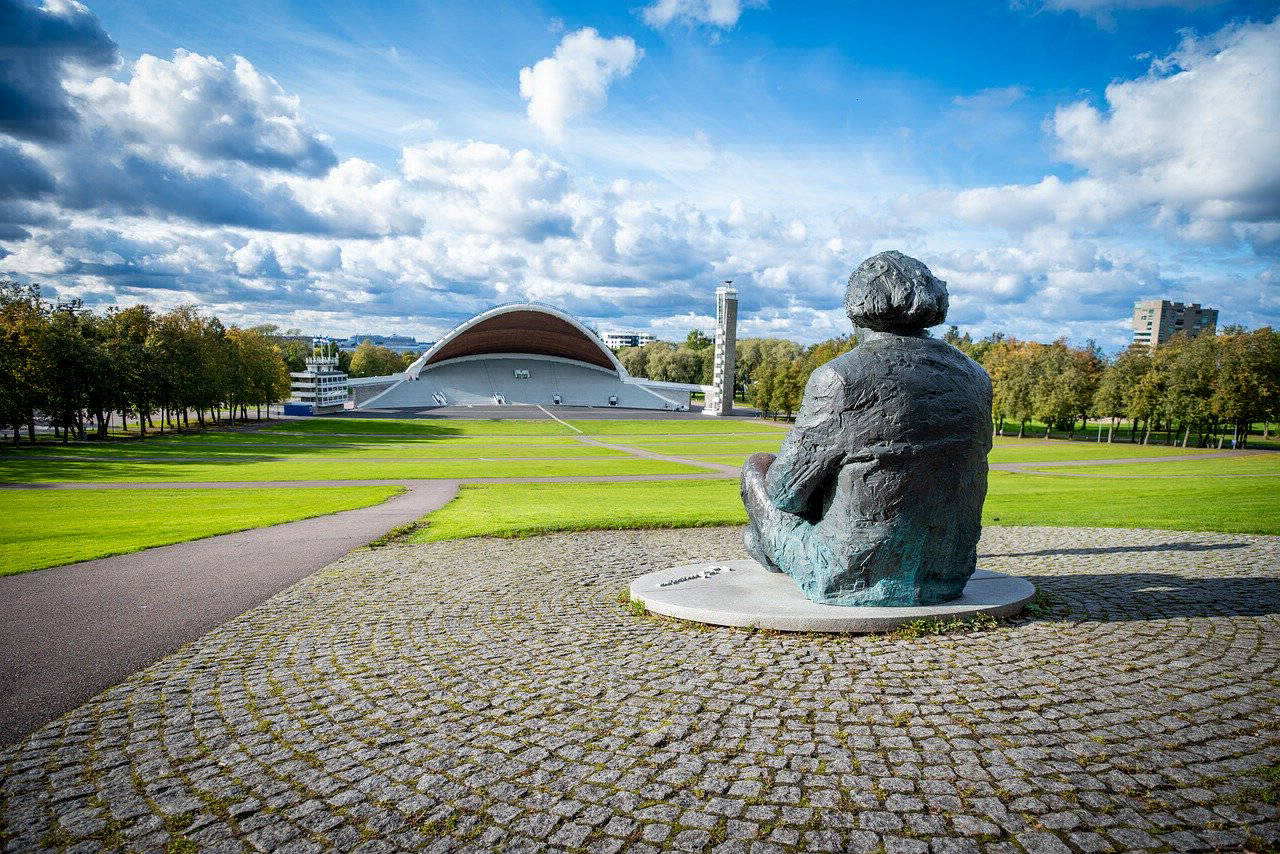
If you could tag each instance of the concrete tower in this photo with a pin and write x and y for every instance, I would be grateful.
(720, 400)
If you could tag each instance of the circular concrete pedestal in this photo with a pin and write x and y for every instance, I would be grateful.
(743, 593)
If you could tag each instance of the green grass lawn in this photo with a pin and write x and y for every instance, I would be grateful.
(1233, 505)
(427, 427)
(617, 428)
(535, 508)
(40, 529)
(1007, 450)
(1250, 464)
(1243, 505)
(90, 470)
(263, 451)
(57, 527)
(733, 449)
(716, 446)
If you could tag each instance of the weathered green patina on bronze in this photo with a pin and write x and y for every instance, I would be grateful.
(876, 495)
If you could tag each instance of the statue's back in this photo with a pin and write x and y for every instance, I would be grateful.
(907, 502)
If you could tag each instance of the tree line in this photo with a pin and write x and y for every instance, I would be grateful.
(1192, 390)
(770, 373)
(1189, 391)
(372, 360)
(67, 366)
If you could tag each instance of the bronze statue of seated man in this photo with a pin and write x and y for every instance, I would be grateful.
(876, 495)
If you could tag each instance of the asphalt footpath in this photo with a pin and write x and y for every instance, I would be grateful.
(69, 632)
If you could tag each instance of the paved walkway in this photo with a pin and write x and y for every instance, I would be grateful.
(488, 694)
(68, 632)
(642, 453)
(261, 484)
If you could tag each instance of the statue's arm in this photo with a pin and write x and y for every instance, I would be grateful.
(812, 450)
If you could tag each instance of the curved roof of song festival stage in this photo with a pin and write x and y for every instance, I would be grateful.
(524, 329)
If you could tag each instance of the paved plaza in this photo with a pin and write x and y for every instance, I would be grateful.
(495, 694)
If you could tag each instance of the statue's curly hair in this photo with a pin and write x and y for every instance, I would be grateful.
(892, 292)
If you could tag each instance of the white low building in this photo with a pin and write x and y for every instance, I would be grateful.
(321, 386)
(618, 340)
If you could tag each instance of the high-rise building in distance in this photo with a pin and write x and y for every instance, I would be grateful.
(1155, 321)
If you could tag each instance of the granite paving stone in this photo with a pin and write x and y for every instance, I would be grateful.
(496, 694)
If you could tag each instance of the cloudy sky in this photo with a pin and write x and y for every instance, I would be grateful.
(351, 167)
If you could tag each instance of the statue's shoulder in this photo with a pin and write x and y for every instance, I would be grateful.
(837, 374)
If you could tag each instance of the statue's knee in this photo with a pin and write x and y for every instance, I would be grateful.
(754, 470)
(755, 495)
(757, 465)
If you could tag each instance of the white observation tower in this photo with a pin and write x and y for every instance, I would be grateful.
(720, 398)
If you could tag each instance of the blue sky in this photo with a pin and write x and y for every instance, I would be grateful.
(387, 167)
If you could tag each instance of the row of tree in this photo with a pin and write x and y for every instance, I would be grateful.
(69, 366)
(66, 366)
(690, 362)
(372, 360)
(694, 362)
(1189, 389)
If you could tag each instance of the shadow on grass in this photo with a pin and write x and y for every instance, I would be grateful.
(1103, 550)
(135, 458)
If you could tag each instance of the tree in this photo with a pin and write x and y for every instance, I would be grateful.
(677, 365)
(370, 360)
(656, 355)
(1190, 367)
(1246, 384)
(762, 388)
(126, 332)
(976, 350)
(747, 355)
(23, 318)
(263, 377)
(294, 347)
(633, 360)
(695, 340)
(1013, 366)
(1116, 385)
(1146, 397)
(1087, 364)
(788, 390)
(69, 364)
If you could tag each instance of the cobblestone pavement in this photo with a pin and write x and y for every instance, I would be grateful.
(495, 694)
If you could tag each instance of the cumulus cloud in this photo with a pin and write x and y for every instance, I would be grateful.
(196, 179)
(205, 108)
(97, 178)
(575, 79)
(715, 13)
(198, 139)
(485, 187)
(1194, 145)
(38, 45)
(1198, 133)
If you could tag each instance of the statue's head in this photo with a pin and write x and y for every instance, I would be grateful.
(892, 292)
